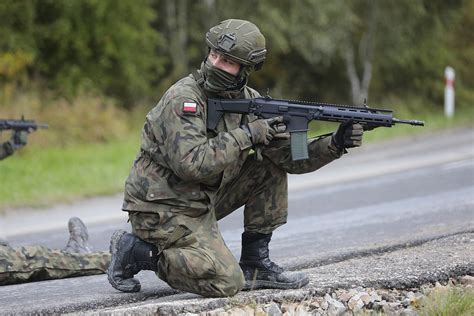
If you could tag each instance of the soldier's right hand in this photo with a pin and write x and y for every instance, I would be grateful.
(262, 131)
(348, 135)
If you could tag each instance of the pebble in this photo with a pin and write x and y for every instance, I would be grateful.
(348, 301)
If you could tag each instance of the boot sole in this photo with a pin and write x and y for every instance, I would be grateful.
(114, 242)
(262, 284)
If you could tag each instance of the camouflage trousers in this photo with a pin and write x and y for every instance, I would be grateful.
(37, 263)
(194, 257)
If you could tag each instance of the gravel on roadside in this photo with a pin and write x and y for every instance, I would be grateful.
(392, 282)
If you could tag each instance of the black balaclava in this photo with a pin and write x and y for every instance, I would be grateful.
(222, 83)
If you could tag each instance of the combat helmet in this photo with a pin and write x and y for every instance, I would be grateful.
(239, 40)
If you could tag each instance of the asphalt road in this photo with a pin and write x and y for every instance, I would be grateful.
(380, 199)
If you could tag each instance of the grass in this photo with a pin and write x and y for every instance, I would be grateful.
(41, 176)
(446, 302)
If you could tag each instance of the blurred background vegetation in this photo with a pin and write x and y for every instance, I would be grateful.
(91, 69)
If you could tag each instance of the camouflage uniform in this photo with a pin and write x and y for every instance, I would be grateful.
(186, 177)
(37, 263)
(6, 149)
(17, 141)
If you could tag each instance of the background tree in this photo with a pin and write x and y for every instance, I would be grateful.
(17, 47)
(317, 50)
(78, 46)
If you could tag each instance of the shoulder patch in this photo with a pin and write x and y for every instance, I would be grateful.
(189, 107)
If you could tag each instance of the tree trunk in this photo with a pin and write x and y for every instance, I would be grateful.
(176, 21)
(360, 86)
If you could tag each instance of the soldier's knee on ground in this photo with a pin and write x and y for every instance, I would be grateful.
(226, 286)
(194, 270)
(221, 286)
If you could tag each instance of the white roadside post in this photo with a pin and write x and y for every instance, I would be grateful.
(449, 92)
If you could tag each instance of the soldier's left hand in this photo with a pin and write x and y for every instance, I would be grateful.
(20, 139)
(348, 135)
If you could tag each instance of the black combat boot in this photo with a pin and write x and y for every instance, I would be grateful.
(78, 237)
(260, 272)
(130, 255)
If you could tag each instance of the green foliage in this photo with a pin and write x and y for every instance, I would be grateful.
(461, 42)
(105, 45)
(414, 62)
(133, 50)
(16, 44)
(16, 26)
(88, 45)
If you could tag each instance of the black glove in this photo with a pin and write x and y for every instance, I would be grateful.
(262, 131)
(348, 135)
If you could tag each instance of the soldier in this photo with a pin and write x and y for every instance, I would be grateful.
(37, 263)
(186, 178)
(14, 143)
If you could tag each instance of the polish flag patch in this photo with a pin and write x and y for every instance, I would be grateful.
(189, 107)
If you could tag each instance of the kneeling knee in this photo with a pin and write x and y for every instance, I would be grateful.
(201, 274)
(224, 286)
(226, 281)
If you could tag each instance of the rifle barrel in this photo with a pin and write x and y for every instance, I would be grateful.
(411, 122)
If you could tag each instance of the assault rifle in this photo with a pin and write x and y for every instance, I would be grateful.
(18, 126)
(21, 125)
(298, 114)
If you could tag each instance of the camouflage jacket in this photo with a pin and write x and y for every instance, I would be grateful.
(181, 165)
